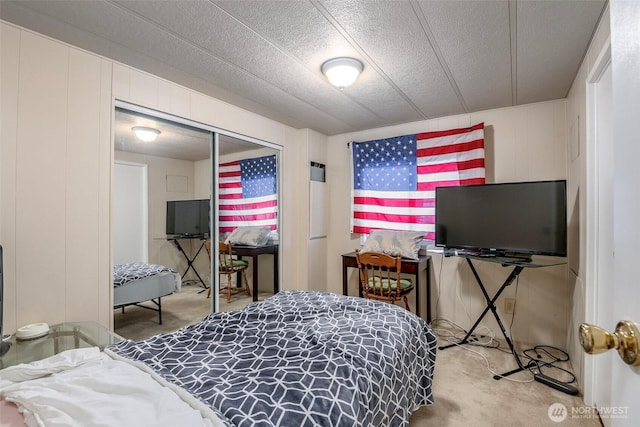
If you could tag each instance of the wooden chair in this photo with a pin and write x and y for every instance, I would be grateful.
(380, 277)
(230, 266)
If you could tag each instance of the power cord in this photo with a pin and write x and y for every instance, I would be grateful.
(487, 363)
(546, 359)
(473, 339)
(513, 312)
(456, 333)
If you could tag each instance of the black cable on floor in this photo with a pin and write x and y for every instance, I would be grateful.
(547, 358)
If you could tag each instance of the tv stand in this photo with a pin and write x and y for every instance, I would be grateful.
(511, 257)
(515, 257)
(175, 239)
(518, 265)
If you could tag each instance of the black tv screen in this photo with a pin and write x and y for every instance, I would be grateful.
(511, 218)
(188, 217)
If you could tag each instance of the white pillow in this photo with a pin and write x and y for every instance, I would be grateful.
(403, 243)
(251, 236)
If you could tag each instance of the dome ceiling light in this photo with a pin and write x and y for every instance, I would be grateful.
(146, 134)
(342, 72)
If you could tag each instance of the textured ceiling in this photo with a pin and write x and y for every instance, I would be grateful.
(422, 59)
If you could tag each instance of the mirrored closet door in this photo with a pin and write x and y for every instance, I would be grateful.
(184, 170)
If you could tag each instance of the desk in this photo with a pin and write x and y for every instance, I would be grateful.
(254, 252)
(175, 239)
(409, 266)
(61, 337)
(518, 265)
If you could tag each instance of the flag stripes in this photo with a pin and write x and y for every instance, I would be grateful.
(394, 179)
(247, 194)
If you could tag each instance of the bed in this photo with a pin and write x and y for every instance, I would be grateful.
(298, 358)
(138, 282)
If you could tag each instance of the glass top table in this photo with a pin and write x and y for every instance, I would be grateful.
(61, 337)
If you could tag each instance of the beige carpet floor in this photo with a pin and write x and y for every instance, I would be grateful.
(464, 389)
(467, 395)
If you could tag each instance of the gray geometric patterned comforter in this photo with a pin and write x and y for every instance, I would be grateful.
(300, 358)
(125, 273)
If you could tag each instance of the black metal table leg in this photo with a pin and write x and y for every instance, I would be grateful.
(190, 261)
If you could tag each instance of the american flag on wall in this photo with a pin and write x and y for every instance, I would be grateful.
(248, 193)
(394, 179)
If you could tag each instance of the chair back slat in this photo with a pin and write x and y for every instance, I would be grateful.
(225, 255)
(380, 276)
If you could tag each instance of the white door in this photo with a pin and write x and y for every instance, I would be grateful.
(130, 201)
(614, 114)
(625, 67)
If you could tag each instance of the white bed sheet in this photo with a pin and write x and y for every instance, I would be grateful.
(87, 387)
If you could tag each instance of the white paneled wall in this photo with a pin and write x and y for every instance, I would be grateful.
(319, 202)
(9, 77)
(55, 182)
(523, 143)
(56, 167)
(202, 179)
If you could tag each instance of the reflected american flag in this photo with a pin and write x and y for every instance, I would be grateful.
(248, 193)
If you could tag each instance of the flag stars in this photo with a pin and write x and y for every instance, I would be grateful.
(386, 164)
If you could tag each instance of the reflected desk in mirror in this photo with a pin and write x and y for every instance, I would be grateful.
(254, 252)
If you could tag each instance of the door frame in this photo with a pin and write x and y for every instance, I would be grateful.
(595, 379)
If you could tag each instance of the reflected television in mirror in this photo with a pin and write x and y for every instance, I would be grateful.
(188, 218)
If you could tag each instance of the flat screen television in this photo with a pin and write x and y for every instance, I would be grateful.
(510, 219)
(188, 217)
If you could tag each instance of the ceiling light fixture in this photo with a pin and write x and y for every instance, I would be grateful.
(342, 72)
(146, 134)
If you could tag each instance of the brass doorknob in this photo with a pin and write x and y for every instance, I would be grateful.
(625, 339)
